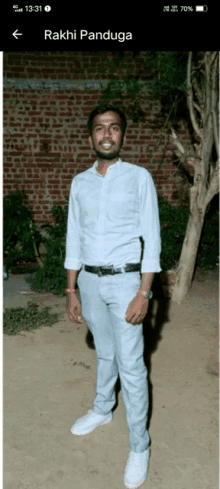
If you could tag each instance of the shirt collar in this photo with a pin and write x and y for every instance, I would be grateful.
(110, 168)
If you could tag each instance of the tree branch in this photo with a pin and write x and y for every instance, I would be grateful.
(213, 187)
(214, 100)
(198, 91)
(215, 129)
(190, 98)
(213, 57)
(177, 142)
(180, 152)
(207, 85)
(198, 108)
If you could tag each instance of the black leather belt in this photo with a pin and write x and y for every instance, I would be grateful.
(129, 267)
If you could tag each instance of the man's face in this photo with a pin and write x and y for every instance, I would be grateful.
(107, 136)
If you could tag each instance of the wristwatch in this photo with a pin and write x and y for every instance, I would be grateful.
(146, 293)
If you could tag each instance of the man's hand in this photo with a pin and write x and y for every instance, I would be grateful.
(137, 310)
(73, 308)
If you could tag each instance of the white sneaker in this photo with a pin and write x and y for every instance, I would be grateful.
(89, 422)
(136, 469)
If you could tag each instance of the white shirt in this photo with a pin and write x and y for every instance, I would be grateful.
(108, 215)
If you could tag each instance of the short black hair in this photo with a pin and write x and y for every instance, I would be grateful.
(101, 109)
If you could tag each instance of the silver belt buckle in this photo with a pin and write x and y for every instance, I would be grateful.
(99, 272)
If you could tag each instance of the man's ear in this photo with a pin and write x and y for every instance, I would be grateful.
(90, 142)
(124, 140)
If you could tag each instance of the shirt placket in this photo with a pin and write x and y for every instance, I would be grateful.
(101, 224)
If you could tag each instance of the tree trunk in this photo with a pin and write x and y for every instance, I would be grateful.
(188, 256)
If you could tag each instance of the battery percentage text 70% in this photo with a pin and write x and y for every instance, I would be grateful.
(185, 8)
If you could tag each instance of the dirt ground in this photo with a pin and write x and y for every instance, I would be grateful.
(49, 381)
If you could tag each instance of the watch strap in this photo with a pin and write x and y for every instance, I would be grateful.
(146, 293)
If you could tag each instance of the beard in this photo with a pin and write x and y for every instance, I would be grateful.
(107, 156)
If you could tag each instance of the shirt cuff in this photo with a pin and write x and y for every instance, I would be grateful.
(71, 264)
(150, 266)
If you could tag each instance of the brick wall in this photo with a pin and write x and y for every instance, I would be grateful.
(47, 99)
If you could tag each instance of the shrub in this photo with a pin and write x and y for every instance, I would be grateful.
(19, 230)
(52, 276)
(173, 221)
(27, 318)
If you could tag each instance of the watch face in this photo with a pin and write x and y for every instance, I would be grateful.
(149, 294)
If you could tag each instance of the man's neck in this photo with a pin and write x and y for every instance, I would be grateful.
(103, 165)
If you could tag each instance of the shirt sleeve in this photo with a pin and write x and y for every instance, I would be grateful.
(150, 225)
(73, 243)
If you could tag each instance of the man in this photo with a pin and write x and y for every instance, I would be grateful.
(112, 205)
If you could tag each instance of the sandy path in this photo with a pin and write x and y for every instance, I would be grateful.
(49, 381)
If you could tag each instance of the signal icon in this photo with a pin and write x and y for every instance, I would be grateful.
(16, 9)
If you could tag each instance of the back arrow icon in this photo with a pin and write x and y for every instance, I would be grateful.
(16, 33)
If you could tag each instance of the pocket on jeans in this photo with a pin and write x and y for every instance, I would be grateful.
(132, 281)
(79, 276)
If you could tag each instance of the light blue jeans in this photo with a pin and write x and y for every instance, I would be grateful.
(119, 347)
